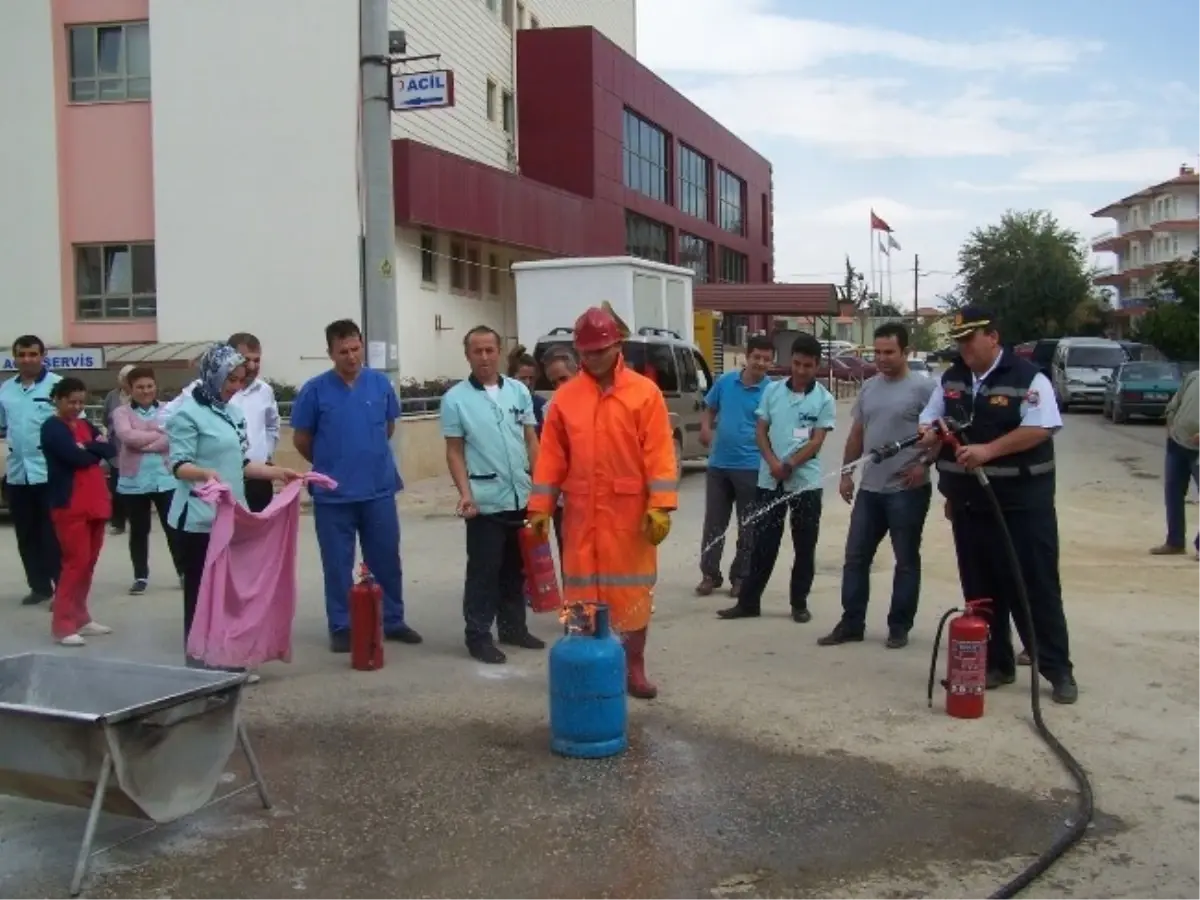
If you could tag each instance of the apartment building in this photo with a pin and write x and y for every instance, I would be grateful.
(1154, 226)
(173, 172)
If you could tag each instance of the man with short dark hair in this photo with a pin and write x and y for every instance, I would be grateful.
(343, 421)
(491, 447)
(728, 427)
(794, 416)
(24, 405)
(1010, 416)
(893, 496)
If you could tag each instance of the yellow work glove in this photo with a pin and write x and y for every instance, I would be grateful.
(656, 525)
(540, 523)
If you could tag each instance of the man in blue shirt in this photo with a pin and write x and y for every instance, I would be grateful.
(24, 406)
(794, 417)
(343, 420)
(491, 446)
(731, 404)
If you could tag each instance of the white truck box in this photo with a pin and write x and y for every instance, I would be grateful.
(552, 293)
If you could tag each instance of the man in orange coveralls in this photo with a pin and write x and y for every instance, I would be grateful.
(607, 445)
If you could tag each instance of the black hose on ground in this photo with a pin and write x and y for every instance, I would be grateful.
(1076, 830)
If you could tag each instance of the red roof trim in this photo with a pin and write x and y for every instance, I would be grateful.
(767, 299)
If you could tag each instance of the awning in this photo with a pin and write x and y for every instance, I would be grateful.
(177, 354)
(767, 299)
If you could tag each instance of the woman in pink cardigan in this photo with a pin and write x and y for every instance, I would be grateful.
(144, 479)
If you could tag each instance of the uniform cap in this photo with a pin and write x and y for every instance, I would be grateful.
(967, 320)
(596, 329)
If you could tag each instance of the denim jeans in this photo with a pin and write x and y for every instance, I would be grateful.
(902, 516)
(1180, 468)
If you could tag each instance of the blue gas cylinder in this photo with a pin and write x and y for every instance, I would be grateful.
(588, 712)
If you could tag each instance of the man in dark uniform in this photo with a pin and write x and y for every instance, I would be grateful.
(1010, 414)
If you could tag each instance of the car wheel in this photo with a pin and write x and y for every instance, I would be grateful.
(678, 460)
(1118, 415)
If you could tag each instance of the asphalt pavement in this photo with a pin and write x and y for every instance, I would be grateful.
(767, 767)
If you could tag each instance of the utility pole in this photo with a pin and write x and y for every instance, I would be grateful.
(916, 289)
(379, 237)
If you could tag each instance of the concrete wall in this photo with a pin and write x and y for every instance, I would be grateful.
(29, 220)
(256, 203)
(423, 449)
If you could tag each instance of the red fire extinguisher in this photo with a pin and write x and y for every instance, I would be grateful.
(966, 660)
(541, 579)
(366, 623)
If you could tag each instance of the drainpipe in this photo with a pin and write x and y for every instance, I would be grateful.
(512, 75)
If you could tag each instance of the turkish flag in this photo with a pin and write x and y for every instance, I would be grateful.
(877, 224)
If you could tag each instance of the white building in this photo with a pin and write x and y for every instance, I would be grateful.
(177, 171)
(1153, 227)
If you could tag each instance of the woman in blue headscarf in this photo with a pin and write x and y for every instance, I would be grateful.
(207, 437)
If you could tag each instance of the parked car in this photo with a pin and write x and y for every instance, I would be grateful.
(1082, 368)
(1138, 352)
(1141, 389)
(920, 367)
(944, 355)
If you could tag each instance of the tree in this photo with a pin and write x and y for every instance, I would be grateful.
(922, 338)
(1028, 271)
(882, 309)
(1173, 322)
(854, 287)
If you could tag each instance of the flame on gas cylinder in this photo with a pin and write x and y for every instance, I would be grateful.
(579, 618)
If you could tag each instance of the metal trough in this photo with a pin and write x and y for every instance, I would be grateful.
(149, 742)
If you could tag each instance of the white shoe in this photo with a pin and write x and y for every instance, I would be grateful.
(92, 629)
(72, 640)
(253, 678)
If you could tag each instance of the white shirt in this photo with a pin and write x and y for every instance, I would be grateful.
(257, 403)
(1039, 409)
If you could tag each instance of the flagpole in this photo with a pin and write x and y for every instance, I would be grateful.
(889, 274)
(871, 284)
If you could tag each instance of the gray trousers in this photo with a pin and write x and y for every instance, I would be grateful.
(725, 490)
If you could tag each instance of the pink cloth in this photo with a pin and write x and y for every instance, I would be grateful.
(135, 437)
(248, 592)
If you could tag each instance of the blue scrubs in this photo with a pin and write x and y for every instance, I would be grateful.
(349, 428)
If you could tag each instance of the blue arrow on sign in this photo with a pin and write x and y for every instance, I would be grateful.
(423, 101)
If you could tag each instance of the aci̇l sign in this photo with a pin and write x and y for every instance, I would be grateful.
(422, 90)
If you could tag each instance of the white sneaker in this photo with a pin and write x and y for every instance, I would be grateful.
(72, 640)
(253, 678)
(91, 629)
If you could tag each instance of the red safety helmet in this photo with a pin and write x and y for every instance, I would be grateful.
(596, 329)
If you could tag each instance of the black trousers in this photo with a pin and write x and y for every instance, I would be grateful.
(495, 582)
(119, 514)
(984, 571)
(259, 494)
(802, 513)
(193, 548)
(36, 542)
(137, 510)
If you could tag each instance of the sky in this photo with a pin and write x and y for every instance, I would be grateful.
(938, 115)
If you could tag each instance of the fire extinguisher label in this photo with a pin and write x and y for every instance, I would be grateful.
(969, 670)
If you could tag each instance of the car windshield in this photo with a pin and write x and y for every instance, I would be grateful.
(918, 365)
(1150, 371)
(1095, 357)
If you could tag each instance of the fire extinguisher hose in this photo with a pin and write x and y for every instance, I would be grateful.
(1079, 824)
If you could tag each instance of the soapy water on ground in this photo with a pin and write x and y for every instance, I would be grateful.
(368, 808)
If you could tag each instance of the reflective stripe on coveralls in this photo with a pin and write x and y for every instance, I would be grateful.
(613, 455)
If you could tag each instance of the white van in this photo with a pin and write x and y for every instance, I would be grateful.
(1081, 369)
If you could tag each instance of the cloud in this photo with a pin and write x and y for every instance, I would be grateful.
(872, 118)
(681, 35)
(971, 187)
(893, 212)
(1138, 167)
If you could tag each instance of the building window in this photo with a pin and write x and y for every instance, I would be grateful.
(731, 196)
(473, 273)
(458, 267)
(428, 258)
(491, 100)
(645, 152)
(109, 63)
(493, 274)
(534, 24)
(506, 12)
(693, 183)
(645, 238)
(693, 254)
(766, 223)
(115, 281)
(735, 267)
(507, 111)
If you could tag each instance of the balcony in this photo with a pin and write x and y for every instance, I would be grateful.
(1110, 241)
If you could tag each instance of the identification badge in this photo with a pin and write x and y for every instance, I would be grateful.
(801, 434)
